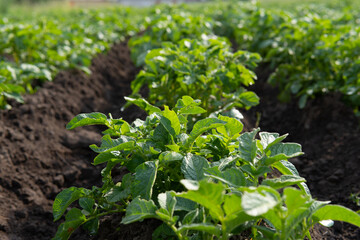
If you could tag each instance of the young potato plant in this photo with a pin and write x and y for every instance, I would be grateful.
(204, 68)
(209, 181)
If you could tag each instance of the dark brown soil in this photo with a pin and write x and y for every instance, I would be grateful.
(39, 157)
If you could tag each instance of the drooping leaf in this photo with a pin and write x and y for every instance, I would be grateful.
(143, 104)
(337, 213)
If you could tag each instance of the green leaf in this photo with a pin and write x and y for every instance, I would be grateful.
(167, 201)
(202, 227)
(143, 104)
(193, 166)
(233, 177)
(283, 181)
(170, 121)
(64, 199)
(287, 168)
(235, 215)
(283, 151)
(210, 195)
(170, 157)
(190, 217)
(200, 127)
(191, 110)
(145, 175)
(247, 145)
(232, 127)
(73, 219)
(270, 139)
(92, 226)
(337, 213)
(139, 209)
(117, 194)
(86, 119)
(108, 144)
(87, 204)
(259, 202)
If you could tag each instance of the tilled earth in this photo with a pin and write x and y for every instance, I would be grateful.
(39, 157)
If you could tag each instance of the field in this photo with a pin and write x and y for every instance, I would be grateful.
(251, 66)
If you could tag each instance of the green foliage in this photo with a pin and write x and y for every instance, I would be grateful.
(312, 50)
(209, 180)
(37, 50)
(168, 24)
(204, 68)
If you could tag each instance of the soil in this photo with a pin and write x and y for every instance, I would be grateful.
(39, 157)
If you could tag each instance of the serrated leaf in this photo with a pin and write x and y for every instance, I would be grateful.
(139, 209)
(86, 119)
(283, 181)
(193, 166)
(145, 175)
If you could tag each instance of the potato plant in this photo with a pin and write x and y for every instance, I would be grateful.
(205, 68)
(209, 181)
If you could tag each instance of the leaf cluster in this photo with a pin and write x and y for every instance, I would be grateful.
(209, 180)
(205, 68)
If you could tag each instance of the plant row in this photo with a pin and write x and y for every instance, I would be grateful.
(34, 52)
(188, 163)
(312, 50)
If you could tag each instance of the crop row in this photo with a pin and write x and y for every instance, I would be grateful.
(34, 52)
(311, 51)
(190, 165)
